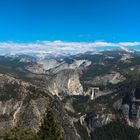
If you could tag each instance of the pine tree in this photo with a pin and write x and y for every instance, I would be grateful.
(49, 129)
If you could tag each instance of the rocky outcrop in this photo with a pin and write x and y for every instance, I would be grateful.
(23, 105)
(112, 77)
(65, 83)
(36, 69)
(129, 107)
(75, 64)
(18, 99)
(92, 121)
(53, 66)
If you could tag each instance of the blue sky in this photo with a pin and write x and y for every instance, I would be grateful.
(70, 20)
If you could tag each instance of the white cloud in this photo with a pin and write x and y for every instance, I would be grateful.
(129, 44)
(59, 46)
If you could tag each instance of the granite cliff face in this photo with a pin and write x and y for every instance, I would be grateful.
(92, 121)
(65, 83)
(53, 66)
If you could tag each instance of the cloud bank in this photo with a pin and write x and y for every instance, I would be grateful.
(60, 47)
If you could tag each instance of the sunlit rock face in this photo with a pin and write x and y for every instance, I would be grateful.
(52, 66)
(66, 82)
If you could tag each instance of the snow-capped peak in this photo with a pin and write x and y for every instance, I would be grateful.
(126, 49)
